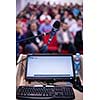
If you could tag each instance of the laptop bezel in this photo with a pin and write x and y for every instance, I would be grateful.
(69, 79)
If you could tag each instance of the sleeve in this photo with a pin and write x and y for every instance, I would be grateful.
(71, 38)
(41, 37)
(41, 28)
(59, 37)
(28, 35)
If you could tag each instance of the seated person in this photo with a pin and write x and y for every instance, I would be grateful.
(70, 20)
(45, 27)
(43, 16)
(76, 11)
(65, 15)
(76, 27)
(79, 41)
(20, 34)
(34, 45)
(65, 39)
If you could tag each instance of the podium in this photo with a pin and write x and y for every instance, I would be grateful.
(20, 76)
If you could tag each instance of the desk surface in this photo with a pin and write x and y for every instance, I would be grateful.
(20, 78)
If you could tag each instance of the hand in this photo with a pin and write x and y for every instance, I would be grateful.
(35, 47)
(40, 44)
(67, 42)
(20, 49)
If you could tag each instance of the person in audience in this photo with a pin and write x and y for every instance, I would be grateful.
(65, 16)
(65, 39)
(35, 44)
(19, 36)
(70, 20)
(44, 16)
(76, 11)
(57, 18)
(76, 27)
(81, 12)
(33, 18)
(78, 41)
(46, 26)
(54, 12)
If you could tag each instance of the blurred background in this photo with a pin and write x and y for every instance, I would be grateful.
(35, 17)
(20, 4)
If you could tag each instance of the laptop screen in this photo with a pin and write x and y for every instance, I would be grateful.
(47, 67)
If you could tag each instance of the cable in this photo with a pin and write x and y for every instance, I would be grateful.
(77, 84)
(32, 37)
(28, 38)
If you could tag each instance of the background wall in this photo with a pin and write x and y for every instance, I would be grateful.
(20, 4)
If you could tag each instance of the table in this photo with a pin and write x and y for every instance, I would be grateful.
(20, 77)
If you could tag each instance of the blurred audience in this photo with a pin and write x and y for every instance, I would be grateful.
(74, 28)
(65, 39)
(20, 34)
(70, 20)
(44, 16)
(35, 19)
(34, 45)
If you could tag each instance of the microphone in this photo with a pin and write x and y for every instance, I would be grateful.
(55, 28)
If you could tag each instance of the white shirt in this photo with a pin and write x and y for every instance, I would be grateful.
(70, 22)
(42, 17)
(37, 39)
(74, 28)
(64, 37)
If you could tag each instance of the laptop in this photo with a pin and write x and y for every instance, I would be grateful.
(49, 68)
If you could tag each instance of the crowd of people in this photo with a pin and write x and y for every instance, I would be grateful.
(35, 19)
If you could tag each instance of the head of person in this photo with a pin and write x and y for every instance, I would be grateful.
(81, 8)
(65, 26)
(33, 26)
(70, 4)
(70, 16)
(55, 11)
(76, 6)
(33, 16)
(65, 4)
(58, 16)
(47, 20)
(24, 27)
(18, 27)
(66, 13)
(45, 13)
(80, 22)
